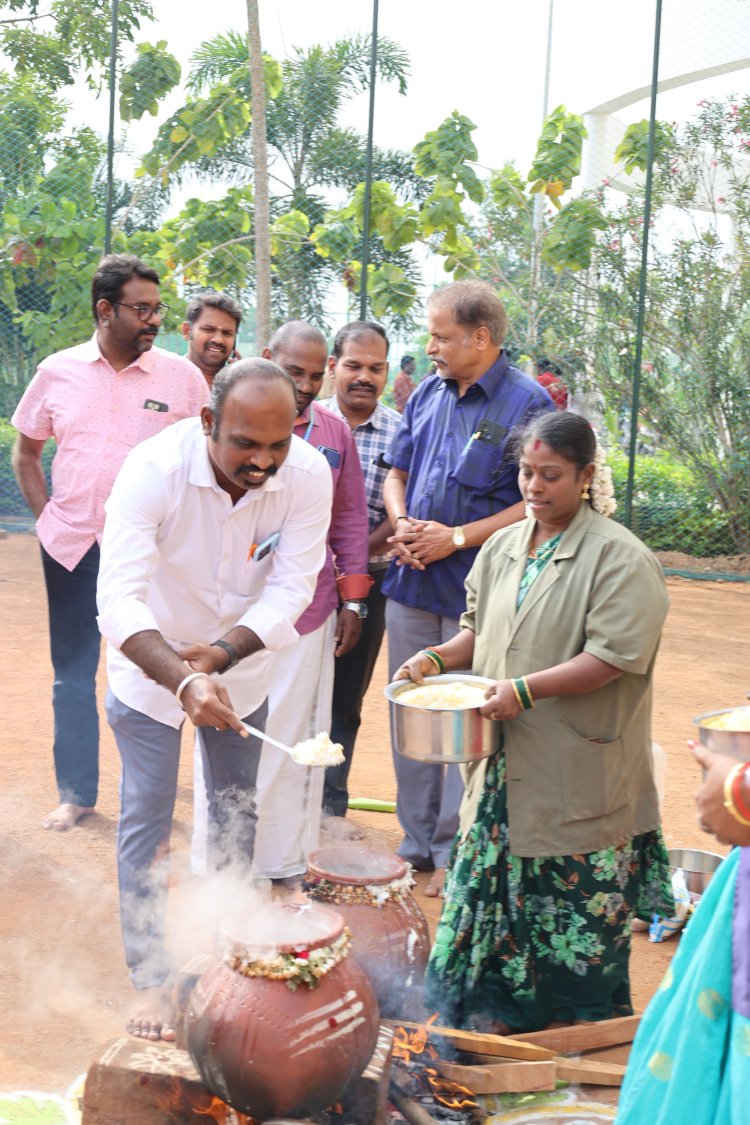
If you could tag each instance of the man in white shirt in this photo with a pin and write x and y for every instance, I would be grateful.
(215, 534)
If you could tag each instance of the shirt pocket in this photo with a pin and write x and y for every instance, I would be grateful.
(480, 465)
(592, 775)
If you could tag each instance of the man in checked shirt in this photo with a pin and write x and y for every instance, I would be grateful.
(359, 366)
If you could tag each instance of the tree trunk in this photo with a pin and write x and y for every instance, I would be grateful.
(262, 219)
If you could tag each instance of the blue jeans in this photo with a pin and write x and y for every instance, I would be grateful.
(150, 755)
(75, 644)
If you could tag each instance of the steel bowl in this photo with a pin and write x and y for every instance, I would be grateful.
(735, 743)
(699, 867)
(442, 735)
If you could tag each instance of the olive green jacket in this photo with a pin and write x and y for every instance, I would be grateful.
(579, 768)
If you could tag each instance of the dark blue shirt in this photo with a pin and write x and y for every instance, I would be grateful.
(455, 451)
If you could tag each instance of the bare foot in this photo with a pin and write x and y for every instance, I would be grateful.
(335, 828)
(151, 1015)
(64, 817)
(434, 888)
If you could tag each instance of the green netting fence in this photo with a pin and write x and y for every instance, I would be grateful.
(652, 345)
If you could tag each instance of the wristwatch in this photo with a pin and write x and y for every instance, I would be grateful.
(359, 608)
(458, 537)
(231, 652)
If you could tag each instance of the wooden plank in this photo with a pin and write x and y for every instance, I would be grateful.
(583, 1036)
(590, 1071)
(500, 1046)
(501, 1077)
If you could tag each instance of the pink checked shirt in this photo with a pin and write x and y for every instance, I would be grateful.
(96, 415)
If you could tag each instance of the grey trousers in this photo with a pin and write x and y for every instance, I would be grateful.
(429, 795)
(150, 756)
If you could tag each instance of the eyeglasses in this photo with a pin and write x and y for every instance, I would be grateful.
(145, 312)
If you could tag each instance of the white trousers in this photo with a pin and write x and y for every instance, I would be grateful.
(288, 796)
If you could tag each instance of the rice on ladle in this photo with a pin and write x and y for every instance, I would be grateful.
(318, 751)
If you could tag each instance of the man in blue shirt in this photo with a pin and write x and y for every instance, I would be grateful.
(453, 482)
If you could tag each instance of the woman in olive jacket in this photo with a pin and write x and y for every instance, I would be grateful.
(559, 845)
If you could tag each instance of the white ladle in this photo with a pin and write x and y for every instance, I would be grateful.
(267, 738)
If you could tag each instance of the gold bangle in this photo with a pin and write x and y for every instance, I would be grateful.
(729, 804)
(528, 691)
(517, 694)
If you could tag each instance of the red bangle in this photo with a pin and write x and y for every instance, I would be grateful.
(739, 803)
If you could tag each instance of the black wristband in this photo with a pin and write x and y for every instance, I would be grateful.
(231, 651)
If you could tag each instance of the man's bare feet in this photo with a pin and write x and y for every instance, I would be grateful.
(64, 817)
(335, 829)
(152, 1015)
(434, 888)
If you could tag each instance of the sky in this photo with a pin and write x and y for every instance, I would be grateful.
(485, 58)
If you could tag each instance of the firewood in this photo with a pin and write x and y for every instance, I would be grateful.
(590, 1071)
(583, 1036)
(501, 1077)
(473, 1042)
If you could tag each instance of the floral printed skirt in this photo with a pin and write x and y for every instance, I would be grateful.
(527, 941)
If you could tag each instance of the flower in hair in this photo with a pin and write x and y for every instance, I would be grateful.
(602, 489)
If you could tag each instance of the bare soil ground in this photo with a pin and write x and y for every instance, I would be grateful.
(63, 983)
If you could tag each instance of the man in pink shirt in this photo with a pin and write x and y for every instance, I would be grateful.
(97, 400)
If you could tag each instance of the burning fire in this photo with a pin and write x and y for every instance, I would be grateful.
(407, 1044)
(413, 1048)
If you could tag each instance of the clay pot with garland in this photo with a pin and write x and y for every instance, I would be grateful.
(285, 1020)
(390, 937)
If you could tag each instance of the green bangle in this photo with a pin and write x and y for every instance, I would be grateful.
(434, 657)
(523, 694)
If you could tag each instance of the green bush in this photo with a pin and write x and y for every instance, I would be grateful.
(671, 512)
(12, 503)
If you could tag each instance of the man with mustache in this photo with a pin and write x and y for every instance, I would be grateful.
(359, 367)
(299, 702)
(97, 400)
(289, 796)
(215, 534)
(210, 327)
(453, 482)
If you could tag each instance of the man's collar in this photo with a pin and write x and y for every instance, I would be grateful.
(375, 419)
(201, 472)
(92, 351)
(487, 383)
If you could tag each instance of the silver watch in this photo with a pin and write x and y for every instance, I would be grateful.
(359, 608)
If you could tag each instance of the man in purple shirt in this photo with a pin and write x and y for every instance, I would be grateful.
(299, 704)
(452, 483)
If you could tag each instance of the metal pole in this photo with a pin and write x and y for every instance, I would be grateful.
(540, 200)
(368, 165)
(111, 132)
(643, 278)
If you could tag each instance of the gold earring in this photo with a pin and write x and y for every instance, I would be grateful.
(586, 495)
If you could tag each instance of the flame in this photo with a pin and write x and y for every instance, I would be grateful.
(200, 1104)
(448, 1093)
(408, 1043)
(413, 1048)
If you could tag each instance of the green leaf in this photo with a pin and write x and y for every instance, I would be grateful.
(633, 148)
(146, 81)
(569, 240)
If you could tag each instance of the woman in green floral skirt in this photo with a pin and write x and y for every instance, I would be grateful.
(559, 846)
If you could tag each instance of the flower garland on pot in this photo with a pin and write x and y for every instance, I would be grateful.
(305, 966)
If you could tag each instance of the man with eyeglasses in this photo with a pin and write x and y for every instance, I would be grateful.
(97, 400)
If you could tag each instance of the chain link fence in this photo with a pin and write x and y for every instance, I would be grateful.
(619, 240)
